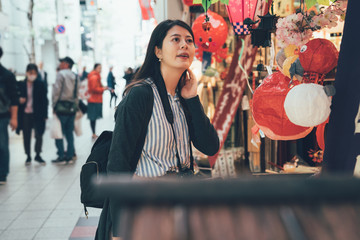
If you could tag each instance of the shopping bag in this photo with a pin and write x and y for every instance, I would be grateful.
(77, 123)
(55, 128)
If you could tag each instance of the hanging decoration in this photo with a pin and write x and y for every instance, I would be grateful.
(238, 11)
(261, 36)
(298, 28)
(318, 57)
(210, 32)
(207, 3)
(307, 105)
(268, 109)
(190, 3)
(235, 84)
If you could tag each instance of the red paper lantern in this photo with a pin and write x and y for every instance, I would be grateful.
(238, 11)
(317, 57)
(268, 109)
(211, 35)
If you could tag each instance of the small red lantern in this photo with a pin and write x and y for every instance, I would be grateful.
(238, 11)
(268, 109)
(210, 35)
(317, 57)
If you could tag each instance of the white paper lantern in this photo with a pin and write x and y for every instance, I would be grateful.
(307, 105)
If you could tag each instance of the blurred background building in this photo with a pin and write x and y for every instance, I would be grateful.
(111, 32)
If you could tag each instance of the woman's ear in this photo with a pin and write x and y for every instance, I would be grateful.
(158, 52)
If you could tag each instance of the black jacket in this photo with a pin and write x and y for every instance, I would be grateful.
(132, 118)
(8, 88)
(40, 105)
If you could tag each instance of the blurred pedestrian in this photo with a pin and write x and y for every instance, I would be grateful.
(95, 90)
(43, 75)
(65, 89)
(128, 75)
(8, 114)
(33, 111)
(84, 74)
(111, 85)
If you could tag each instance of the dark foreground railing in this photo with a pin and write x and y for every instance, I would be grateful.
(252, 208)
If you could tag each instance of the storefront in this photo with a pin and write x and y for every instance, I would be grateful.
(230, 76)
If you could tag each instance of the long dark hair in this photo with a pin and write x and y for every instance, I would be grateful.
(151, 65)
(32, 66)
(96, 65)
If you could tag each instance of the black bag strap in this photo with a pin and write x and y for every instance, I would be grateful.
(75, 88)
(160, 85)
(178, 163)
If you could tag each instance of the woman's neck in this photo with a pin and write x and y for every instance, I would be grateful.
(171, 78)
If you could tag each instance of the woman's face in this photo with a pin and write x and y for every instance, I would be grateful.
(178, 49)
(98, 69)
(31, 75)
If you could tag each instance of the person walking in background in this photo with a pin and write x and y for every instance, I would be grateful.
(33, 111)
(8, 114)
(95, 90)
(84, 74)
(128, 76)
(43, 75)
(111, 85)
(65, 88)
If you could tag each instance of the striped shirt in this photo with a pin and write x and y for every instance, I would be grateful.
(159, 151)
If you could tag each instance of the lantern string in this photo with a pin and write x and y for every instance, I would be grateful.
(272, 55)
(242, 68)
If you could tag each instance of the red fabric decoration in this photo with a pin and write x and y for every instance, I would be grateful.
(317, 57)
(320, 134)
(268, 109)
(210, 36)
(146, 10)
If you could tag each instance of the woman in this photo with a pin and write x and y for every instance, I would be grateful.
(143, 141)
(32, 111)
(95, 100)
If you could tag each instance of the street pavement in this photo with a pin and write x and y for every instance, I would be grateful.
(43, 202)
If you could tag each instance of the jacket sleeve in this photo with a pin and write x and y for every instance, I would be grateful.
(132, 117)
(12, 91)
(44, 100)
(94, 85)
(202, 132)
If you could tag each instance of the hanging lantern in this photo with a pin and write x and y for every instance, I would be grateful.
(210, 35)
(268, 22)
(260, 37)
(317, 57)
(268, 109)
(238, 11)
(307, 105)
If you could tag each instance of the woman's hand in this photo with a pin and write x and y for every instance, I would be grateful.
(189, 90)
